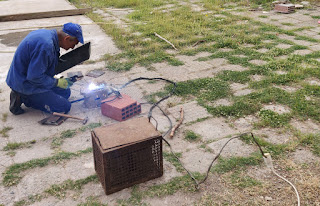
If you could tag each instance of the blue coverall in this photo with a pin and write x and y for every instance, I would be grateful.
(32, 70)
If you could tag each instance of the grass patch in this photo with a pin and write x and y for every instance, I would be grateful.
(273, 119)
(184, 183)
(4, 131)
(313, 141)
(206, 89)
(57, 141)
(275, 150)
(315, 17)
(18, 145)
(192, 136)
(236, 163)
(242, 181)
(68, 133)
(92, 201)
(173, 160)
(60, 190)
(90, 126)
(306, 38)
(11, 175)
(287, 24)
(4, 117)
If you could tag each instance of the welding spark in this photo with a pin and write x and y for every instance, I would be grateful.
(93, 86)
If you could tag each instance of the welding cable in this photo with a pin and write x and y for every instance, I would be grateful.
(197, 184)
(171, 150)
(162, 99)
(217, 156)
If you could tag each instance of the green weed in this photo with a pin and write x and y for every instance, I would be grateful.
(90, 126)
(18, 145)
(243, 181)
(173, 160)
(4, 117)
(306, 38)
(192, 136)
(313, 141)
(4, 131)
(287, 24)
(60, 190)
(68, 133)
(184, 183)
(236, 163)
(211, 89)
(273, 119)
(92, 201)
(11, 174)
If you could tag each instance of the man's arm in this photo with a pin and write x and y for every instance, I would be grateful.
(38, 68)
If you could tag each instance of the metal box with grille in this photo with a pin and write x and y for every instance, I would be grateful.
(120, 108)
(127, 153)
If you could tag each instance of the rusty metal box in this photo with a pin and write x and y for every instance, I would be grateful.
(120, 108)
(127, 153)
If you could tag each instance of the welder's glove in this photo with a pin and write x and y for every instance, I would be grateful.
(64, 83)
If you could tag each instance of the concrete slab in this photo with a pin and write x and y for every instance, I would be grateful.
(192, 112)
(39, 179)
(235, 148)
(213, 129)
(29, 6)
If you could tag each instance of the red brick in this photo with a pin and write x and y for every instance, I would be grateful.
(120, 108)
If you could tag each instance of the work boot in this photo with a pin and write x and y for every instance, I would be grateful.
(15, 103)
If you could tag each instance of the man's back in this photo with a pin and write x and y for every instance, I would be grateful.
(32, 68)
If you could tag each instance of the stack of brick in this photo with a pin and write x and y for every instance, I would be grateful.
(284, 8)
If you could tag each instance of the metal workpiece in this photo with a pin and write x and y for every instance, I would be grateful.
(93, 94)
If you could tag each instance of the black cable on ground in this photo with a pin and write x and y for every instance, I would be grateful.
(197, 184)
(162, 99)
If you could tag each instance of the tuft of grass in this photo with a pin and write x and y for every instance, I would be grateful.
(243, 181)
(58, 140)
(90, 126)
(11, 175)
(4, 131)
(306, 38)
(173, 160)
(236, 163)
(275, 150)
(206, 89)
(20, 203)
(4, 117)
(184, 183)
(192, 136)
(273, 119)
(18, 145)
(60, 190)
(313, 141)
(315, 17)
(92, 201)
(287, 24)
(68, 133)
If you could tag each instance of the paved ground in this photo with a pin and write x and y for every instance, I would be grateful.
(34, 183)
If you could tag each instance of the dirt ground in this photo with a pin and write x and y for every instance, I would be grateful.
(70, 180)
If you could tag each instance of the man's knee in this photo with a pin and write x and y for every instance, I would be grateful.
(62, 106)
